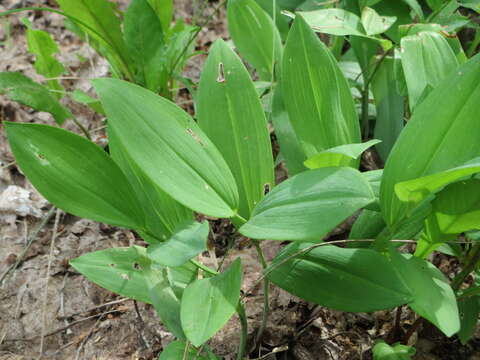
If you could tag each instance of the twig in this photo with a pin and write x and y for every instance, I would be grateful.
(32, 237)
(306, 250)
(85, 339)
(47, 277)
(63, 328)
(93, 308)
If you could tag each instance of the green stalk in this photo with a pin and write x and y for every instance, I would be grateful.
(244, 334)
(266, 299)
(471, 265)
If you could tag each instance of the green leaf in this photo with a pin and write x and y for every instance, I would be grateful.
(176, 351)
(389, 105)
(104, 26)
(316, 94)
(74, 174)
(41, 44)
(367, 226)
(469, 314)
(394, 8)
(208, 304)
(247, 21)
(189, 240)
(162, 213)
(342, 279)
(375, 24)
(287, 139)
(417, 9)
(437, 137)
(82, 97)
(144, 40)
(309, 205)
(457, 207)
(117, 269)
(383, 351)
(416, 190)
(427, 59)
(166, 287)
(432, 237)
(231, 115)
(343, 155)
(128, 272)
(22, 89)
(433, 298)
(164, 11)
(169, 147)
(334, 21)
(282, 22)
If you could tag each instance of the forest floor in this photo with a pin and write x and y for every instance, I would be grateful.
(47, 307)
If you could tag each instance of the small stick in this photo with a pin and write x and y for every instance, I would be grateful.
(32, 237)
(47, 277)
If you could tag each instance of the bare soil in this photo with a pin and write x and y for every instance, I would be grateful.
(79, 320)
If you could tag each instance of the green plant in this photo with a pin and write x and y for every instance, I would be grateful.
(163, 166)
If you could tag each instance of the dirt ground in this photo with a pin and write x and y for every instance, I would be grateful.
(79, 320)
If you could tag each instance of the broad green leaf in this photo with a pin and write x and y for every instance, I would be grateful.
(169, 147)
(82, 97)
(417, 9)
(375, 24)
(41, 44)
(128, 272)
(231, 115)
(471, 4)
(343, 155)
(119, 270)
(342, 279)
(247, 21)
(316, 94)
(389, 105)
(400, 10)
(189, 240)
(436, 4)
(433, 298)
(74, 174)
(334, 21)
(104, 26)
(176, 350)
(457, 207)
(416, 190)
(309, 205)
(368, 225)
(432, 237)
(287, 139)
(469, 314)
(162, 213)
(144, 40)
(282, 22)
(166, 287)
(208, 304)
(22, 89)
(427, 59)
(164, 11)
(449, 17)
(383, 351)
(438, 138)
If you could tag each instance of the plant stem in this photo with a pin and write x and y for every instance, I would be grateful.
(123, 61)
(365, 95)
(266, 299)
(194, 36)
(244, 333)
(412, 329)
(471, 265)
(82, 128)
(204, 267)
